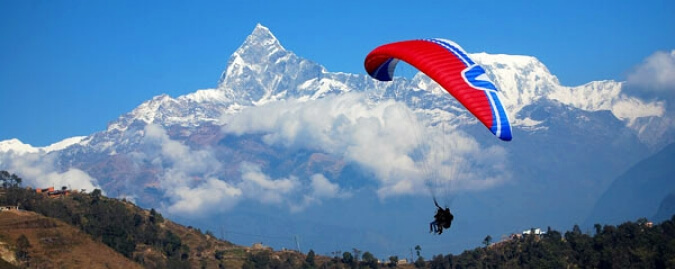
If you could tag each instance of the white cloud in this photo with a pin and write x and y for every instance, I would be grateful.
(189, 179)
(655, 77)
(38, 170)
(384, 137)
(211, 196)
(188, 176)
(291, 192)
(258, 186)
(178, 156)
(322, 187)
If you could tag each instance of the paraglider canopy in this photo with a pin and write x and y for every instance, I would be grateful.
(450, 66)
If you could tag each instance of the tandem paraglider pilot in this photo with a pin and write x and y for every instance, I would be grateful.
(442, 219)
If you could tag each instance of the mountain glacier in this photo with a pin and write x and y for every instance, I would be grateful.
(280, 133)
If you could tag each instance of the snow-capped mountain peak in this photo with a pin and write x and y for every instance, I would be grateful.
(261, 70)
(521, 79)
(259, 46)
(263, 37)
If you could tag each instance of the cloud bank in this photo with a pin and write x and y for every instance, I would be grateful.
(190, 180)
(654, 78)
(406, 155)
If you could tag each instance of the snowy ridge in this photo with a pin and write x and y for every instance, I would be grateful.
(64, 144)
(187, 110)
(524, 79)
(17, 147)
(206, 95)
(607, 95)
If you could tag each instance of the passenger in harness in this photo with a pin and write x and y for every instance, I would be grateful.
(442, 219)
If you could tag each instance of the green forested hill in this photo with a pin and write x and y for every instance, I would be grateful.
(629, 245)
(142, 236)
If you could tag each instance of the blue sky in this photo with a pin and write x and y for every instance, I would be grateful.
(67, 68)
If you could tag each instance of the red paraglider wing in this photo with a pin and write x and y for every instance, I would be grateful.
(447, 64)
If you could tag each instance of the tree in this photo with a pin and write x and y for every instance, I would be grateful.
(347, 258)
(370, 260)
(310, 259)
(17, 180)
(576, 230)
(156, 218)
(8, 180)
(420, 263)
(210, 233)
(487, 241)
(393, 261)
(598, 228)
(96, 196)
(440, 261)
(22, 246)
(357, 254)
(220, 254)
(260, 259)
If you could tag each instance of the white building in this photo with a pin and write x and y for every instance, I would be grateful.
(535, 231)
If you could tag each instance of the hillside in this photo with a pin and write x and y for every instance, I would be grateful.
(666, 208)
(100, 232)
(89, 230)
(54, 244)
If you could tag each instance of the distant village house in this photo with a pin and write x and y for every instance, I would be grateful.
(534, 231)
(8, 207)
(50, 192)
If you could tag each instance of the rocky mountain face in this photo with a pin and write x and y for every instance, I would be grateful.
(283, 141)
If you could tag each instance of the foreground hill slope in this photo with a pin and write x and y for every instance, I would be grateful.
(85, 226)
(54, 244)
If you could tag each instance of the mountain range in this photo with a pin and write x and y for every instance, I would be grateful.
(286, 152)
